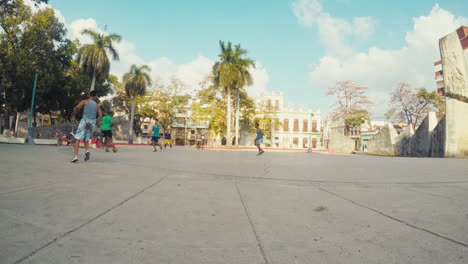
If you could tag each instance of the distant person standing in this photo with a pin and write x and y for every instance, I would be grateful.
(259, 139)
(106, 127)
(167, 139)
(199, 141)
(155, 137)
(87, 124)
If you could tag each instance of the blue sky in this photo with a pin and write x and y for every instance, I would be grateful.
(289, 47)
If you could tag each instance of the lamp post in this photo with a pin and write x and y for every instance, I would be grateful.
(31, 112)
(309, 150)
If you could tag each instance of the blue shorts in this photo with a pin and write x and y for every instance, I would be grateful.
(155, 139)
(85, 129)
(258, 141)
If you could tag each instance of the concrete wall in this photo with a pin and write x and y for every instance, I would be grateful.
(382, 143)
(420, 143)
(438, 140)
(456, 85)
(341, 143)
(402, 145)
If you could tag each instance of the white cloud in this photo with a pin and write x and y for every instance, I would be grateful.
(382, 69)
(260, 77)
(333, 31)
(307, 11)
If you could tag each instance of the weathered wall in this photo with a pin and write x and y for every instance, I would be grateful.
(382, 143)
(438, 140)
(456, 87)
(420, 145)
(402, 145)
(341, 143)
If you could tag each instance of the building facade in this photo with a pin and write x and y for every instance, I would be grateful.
(297, 128)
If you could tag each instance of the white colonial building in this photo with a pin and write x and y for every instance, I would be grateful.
(298, 127)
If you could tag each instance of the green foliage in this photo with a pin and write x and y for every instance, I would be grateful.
(136, 80)
(35, 42)
(267, 120)
(93, 57)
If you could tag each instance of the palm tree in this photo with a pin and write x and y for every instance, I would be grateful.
(135, 83)
(231, 73)
(93, 57)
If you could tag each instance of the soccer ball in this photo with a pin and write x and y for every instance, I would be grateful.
(115, 149)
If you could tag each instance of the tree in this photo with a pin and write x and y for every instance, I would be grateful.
(135, 83)
(34, 43)
(351, 105)
(411, 105)
(93, 57)
(211, 109)
(267, 119)
(231, 73)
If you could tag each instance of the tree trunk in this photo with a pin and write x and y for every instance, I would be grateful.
(237, 117)
(131, 131)
(228, 118)
(18, 117)
(93, 82)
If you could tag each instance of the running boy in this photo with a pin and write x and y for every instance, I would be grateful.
(155, 137)
(106, 127)
(87, 124)
(259, 139)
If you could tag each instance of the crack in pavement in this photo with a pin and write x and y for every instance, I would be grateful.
(29, 188)
(394, 218)
(301, 180)
(71, 231)
(249, 217)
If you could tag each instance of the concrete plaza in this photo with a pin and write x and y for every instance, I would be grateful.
(189, 206)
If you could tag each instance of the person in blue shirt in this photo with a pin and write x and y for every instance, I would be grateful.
(167, 139)
(155, 137)
(259, 139)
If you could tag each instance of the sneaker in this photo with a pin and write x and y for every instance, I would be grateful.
(75, 159)
(155, 150)
(87, 155)
(107, 150)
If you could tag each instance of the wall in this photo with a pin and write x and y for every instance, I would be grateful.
(438, 140)
(420, 145)
(456, 86)
(382, 143)
(402, 145)
(341, 143)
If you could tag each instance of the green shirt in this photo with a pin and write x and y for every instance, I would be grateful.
(106, 122)
(156, 130)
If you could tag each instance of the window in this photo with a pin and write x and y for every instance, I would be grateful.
(305, 126)
(286, 125)
(296, 125)
(314, 126)
(296, 142)
(269, 103)
(277, 105)
(304, 143)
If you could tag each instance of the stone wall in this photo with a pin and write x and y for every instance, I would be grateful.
(402, 145)
(341, 143)
(456, 86)
(383, 142)
(420, 145)
(438, 140)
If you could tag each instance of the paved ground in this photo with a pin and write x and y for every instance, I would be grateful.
(188, 206)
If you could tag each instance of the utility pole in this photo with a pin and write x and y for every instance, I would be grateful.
(31, 112)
